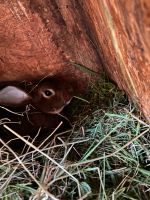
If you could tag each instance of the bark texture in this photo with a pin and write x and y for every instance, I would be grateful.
(121, 31)
(40, 37)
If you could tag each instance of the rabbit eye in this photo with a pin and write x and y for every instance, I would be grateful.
(48, 93)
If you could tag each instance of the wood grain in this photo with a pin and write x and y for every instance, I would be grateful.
(121, 31)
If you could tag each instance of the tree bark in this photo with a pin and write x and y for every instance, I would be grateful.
(41, 37)
(121, 31)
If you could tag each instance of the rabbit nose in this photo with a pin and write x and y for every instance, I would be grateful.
(56, 111)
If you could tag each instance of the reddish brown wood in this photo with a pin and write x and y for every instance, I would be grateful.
(40, 37)
(121, 31)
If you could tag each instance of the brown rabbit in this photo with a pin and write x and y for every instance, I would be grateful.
(53, 93)
(50, 95)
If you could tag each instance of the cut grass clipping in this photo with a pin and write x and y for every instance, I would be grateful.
(106, 155)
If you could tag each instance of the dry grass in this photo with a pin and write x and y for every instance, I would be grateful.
(106, 155)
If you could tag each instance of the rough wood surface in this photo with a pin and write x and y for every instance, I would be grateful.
(40, 37)
(121, 31)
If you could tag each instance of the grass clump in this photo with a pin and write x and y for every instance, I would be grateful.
(106, 155)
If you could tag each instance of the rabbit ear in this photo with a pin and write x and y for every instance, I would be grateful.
(13, 96)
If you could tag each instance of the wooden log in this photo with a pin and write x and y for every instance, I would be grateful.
(41, 37)
(121, 31)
